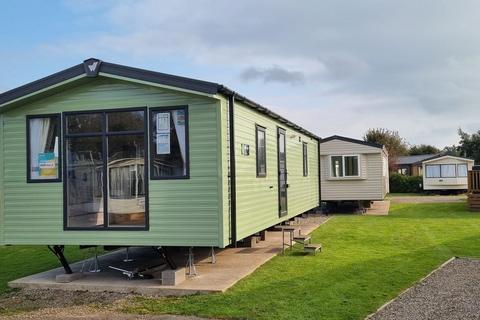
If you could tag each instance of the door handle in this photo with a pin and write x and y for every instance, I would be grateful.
(287, 185)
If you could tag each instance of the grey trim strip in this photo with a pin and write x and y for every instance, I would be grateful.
(370, 144)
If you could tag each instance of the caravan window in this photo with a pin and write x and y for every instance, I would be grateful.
(169, 143)
(43, 148)
(462, 170)
(305, 159)
(432, 171)
(345, 166)
(261, 151)
(448, 171)
(105, 169)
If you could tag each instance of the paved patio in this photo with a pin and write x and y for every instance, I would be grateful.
(232, 264)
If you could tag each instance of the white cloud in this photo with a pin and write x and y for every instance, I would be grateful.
(410, 66)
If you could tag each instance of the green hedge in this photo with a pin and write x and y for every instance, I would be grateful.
(405, 184)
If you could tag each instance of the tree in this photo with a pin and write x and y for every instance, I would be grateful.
(396, 146)
(469, 145)
(422, 149)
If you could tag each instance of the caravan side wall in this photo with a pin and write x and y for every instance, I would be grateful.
(371, 184)
(185, 212)
(2, 182)
(457, 183)
(257, 197)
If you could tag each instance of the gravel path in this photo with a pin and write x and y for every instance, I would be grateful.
(452, 292)
(70, 305)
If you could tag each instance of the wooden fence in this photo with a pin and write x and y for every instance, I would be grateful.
(474, 190)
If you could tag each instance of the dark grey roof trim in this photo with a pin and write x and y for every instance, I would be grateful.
(143, 75)
(370, 144)
(42, 83)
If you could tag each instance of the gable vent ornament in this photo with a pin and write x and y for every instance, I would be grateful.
(92, 67)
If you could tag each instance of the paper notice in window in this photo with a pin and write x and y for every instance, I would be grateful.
(47, 164)
(163, 143)
(163, 122)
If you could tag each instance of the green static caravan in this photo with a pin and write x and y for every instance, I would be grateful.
(104, 154)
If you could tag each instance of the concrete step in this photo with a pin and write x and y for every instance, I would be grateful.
(379, 208)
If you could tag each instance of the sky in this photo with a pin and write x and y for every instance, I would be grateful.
(333, 67)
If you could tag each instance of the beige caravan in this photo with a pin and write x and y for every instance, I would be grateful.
(353, 170)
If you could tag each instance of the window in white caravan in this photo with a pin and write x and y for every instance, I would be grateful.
(448, 171)
(432, 171)
(462, 170)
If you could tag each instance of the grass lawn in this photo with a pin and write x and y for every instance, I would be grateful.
(20, 261)
(367, 260)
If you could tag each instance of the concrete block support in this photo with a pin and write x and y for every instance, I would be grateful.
(173, 277)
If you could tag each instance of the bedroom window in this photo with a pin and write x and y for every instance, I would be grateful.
(345, 166)
(261, 151)
(462, 170)
(305, 159)
(43, 143)
(105, 170)
(169, 143)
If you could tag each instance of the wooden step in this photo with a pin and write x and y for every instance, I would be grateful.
(312, 248)
(286, 228)
(302, 238)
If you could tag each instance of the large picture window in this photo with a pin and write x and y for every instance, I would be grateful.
(43, 143)
(446, 170)
(345, 166)
(261, 152)
(105, 169)
(169, 143)
(305, 159)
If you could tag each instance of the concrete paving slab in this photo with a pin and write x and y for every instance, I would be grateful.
(232, 264)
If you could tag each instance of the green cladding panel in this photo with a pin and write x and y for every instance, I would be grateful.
(257, 197)
(186, 212)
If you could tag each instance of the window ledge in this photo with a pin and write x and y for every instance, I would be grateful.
(346, 178)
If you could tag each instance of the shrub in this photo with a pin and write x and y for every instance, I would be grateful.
(405, 184)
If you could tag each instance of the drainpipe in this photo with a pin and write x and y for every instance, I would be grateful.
(233, 186)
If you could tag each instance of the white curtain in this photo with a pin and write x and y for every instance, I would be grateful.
(180, 129)
(433, 171)
(462, 170)
(38, 140)
(448, 171)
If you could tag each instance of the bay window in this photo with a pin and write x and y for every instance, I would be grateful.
(43, 148)
(169, 143)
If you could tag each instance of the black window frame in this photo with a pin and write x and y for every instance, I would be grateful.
(60, 137)
(187, 141)
(305, 158)
(104, 133)
(257, 160)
